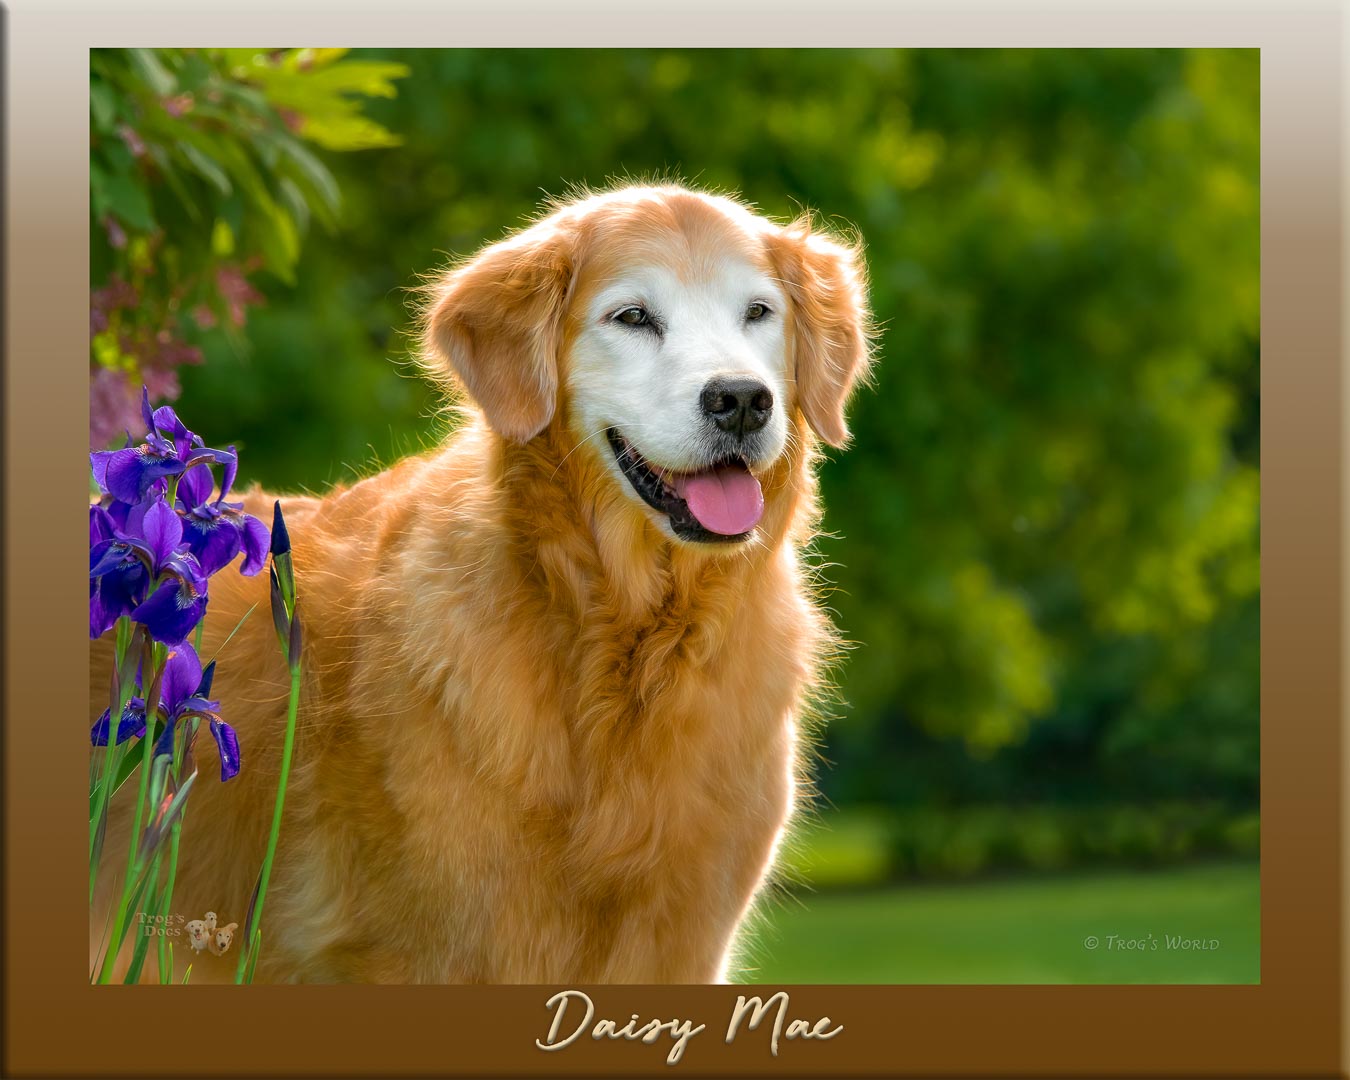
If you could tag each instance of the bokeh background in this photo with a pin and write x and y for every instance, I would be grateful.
(1044, 542)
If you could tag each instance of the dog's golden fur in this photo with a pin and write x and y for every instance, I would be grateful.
(540, 741)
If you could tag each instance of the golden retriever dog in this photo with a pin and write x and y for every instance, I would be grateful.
(555, 670)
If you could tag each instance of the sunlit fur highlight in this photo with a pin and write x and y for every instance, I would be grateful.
(539, 740)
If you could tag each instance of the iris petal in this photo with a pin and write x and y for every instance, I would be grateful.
(184, 566)
(164, 744)
(195, 487)
(102, 615)
(204, 687)
(199, 705)
(98, 465)
(117, 584)
(172, 613)
(256, 540)
(108, 555)
(215, 543)
(129, 473)
(163, 532)
(119, 513)
(131, 724)
(182, 675)
(227, 473)
(100, 525)
(228, 743)
(201, 454)
(166, 422)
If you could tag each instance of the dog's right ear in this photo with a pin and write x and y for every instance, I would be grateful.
(826, 283)
(496, 323)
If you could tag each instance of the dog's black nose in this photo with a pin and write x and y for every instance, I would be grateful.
(737, 406)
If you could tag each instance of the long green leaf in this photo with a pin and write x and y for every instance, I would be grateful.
(132, 902)
(205, 165)
(254, 952)
(102, 944)
(102, 106)
(100, 834)
(160, 79)
(237, 625)
(159, 828)
(128, 202)
(141, 948)
(126, 769)
(309, 169)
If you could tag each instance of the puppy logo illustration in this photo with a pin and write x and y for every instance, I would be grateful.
(198, 935)
(220, 940)
(202, 934)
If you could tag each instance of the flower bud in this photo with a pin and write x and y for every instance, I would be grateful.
(296, 642)
(279, 618)
(281, 539)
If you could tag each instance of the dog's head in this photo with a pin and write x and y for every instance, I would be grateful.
(686, 341)
(224, 935)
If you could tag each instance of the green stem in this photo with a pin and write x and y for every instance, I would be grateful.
(165, 972)
(112, 757)
(252, 931)
(179, 747)
(165, 975)
(142, 939)
(112, 761)
(147, 749)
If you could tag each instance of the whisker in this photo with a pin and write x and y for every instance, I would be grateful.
(583, 442)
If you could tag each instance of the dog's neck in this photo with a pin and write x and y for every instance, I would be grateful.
(586, 542)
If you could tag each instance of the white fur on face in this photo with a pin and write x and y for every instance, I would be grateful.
(647, 380)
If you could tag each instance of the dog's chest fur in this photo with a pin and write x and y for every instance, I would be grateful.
(609, 767)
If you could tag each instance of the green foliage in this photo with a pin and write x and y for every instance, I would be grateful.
(1046, 538)
(867, 846)
(200, 177)
(1071, 299)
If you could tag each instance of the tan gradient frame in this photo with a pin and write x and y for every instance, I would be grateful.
(54, 1024)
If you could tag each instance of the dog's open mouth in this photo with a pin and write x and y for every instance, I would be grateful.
(718, 504)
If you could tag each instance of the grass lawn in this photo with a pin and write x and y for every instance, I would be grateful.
(1020, 930)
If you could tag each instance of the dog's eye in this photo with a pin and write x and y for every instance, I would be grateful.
(756, 311)
(634, 316)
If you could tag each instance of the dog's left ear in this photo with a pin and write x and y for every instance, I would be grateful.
(826, 282)
(496, 323)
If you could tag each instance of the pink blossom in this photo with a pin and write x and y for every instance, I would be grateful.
(116, 237)
(237, 292)
(134, 142)
(178, 106)
(114, 409)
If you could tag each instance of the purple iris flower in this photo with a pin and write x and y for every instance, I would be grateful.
(169, 449)
(183, 694)
(215, 531)
(144, 554)
(118, 579)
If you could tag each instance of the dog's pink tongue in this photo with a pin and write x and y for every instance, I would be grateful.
(727, 500)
